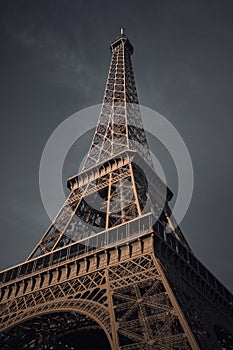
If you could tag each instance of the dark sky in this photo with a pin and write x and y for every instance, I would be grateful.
(54, 61)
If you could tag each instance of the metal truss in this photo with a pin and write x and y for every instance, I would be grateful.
(120, 126)
(106, 196)
(127, 298)
(137, 297)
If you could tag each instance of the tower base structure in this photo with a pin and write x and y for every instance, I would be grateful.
(148, 293)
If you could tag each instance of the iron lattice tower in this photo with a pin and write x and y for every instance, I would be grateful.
(113, 271)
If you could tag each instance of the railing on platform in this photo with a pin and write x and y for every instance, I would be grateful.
(114, 236)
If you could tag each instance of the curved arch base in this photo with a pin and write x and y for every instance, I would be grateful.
(61, 330)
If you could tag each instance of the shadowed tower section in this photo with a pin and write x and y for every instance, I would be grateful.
(113, 270)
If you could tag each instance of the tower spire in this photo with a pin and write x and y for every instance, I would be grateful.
(120, 123)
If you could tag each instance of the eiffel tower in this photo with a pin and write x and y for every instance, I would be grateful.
(113, 271)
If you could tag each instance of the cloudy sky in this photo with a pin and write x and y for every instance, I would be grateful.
(54, 62)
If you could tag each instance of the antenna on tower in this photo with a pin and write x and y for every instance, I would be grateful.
(122, 31)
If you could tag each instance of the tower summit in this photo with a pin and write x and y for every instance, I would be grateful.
(113, 270)
(120, 126)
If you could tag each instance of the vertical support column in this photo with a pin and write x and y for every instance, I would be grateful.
(134, 190)
(108, 202)
(114, 324)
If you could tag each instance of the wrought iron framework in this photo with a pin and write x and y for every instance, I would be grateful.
(113, 263)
